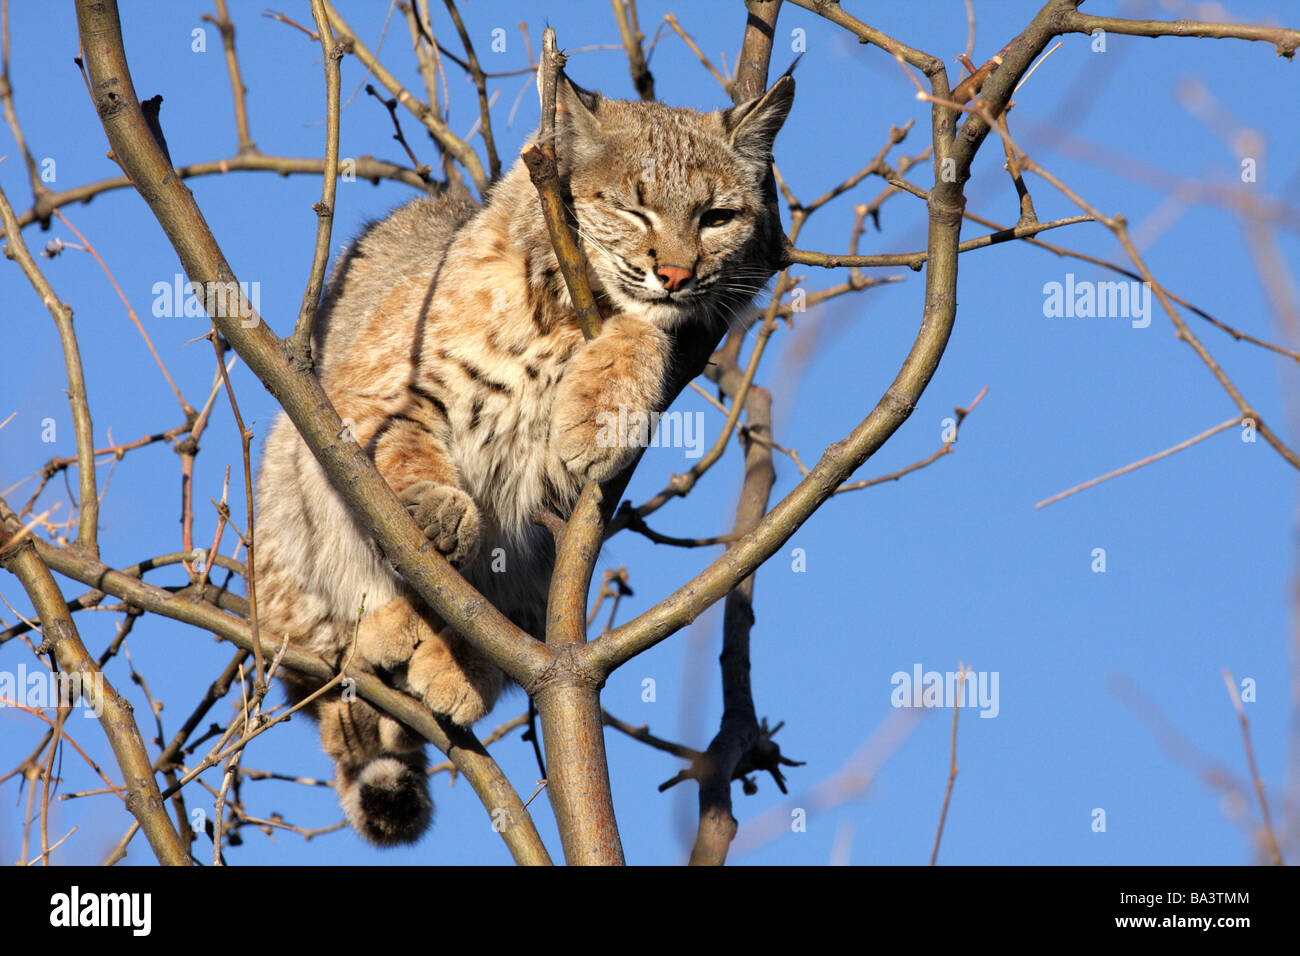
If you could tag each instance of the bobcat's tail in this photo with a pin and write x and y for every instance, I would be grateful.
(386, 799)
(379, 772)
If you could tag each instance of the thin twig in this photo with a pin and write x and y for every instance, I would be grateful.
(704, 60)
(245, 440)
(16, 249)
(300, 341)
(135, 319)
(480, 84)
(962, 674)
(223, 23)
(1273, 849)
(542, 169)
(425, 113)
(632, 38)
(1222, 426)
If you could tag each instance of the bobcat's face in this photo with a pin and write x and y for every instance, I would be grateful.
(669, 201)
(665, 249)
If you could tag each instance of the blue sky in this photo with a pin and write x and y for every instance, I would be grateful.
(952, 563)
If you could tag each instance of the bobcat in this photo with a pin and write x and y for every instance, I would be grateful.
(447, 341)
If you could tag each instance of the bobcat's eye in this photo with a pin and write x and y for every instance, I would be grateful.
(639, 216)
(716, 217)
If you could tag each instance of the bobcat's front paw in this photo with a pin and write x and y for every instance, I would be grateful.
(448, 517)
(596, 447)
(601, 416)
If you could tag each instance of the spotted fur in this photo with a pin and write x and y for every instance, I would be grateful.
(447, 342)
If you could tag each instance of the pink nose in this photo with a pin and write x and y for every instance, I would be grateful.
(673, 277)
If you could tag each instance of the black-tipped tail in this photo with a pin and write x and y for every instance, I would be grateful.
(387, 798)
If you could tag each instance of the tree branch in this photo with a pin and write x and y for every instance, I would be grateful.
(300, 342)
(60, 637)
(560, 224)
(1286, 41)
(739, 729)
(946, 203)
(480, 85)
(16, 249)
(460, 745)
(425, 113)
(642, 78)
(365, 167)
(223, 23)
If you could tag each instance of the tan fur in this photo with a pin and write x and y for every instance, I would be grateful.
(447, 343)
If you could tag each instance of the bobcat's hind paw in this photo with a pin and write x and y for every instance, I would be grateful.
(387, 637)
(464, 688)
(448, 518)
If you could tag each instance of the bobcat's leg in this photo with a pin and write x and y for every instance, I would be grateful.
(601, 415)
(407, 439)
(379, 770)
(440, 668)
(409, 451)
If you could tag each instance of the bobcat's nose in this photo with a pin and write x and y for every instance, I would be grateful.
(673, 277)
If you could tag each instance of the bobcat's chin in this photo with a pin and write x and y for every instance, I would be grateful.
(663, 313)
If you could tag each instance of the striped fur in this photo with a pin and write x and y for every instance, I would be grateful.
(447, 342)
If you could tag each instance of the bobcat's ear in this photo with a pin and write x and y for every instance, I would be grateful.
(576, 109)
(753, 125)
